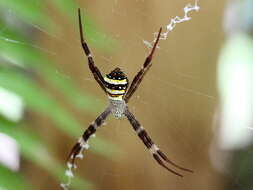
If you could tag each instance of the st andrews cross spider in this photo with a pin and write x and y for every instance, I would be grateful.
(115, 85)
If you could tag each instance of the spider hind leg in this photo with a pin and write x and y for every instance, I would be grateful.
(157, 154)
(165, 158)
(82, 144)
(76, 152)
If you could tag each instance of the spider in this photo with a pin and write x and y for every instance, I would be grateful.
(115, 86)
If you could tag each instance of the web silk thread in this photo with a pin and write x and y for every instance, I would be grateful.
(174, 21)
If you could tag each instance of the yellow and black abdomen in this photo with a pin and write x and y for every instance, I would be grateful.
(116, 84)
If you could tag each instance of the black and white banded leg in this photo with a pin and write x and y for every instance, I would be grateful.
(83, 141)
(95, 71)
(158, 155)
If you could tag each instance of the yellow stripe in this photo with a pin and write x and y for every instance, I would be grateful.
(113, 81)
(115, 91)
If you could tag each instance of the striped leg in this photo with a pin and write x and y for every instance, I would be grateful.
(138, 78)
(158, 155)
(95, 71)
(83, 141)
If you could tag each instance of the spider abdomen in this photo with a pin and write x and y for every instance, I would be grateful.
(116, 84)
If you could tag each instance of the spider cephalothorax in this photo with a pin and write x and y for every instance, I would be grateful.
(115, 85)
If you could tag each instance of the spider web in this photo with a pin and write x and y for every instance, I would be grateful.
(175, 103)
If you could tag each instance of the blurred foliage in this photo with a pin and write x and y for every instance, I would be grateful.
(240, 175)
(17, 181)
(22, 65)
(235, 75)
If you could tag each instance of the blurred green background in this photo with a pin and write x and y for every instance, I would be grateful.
(48, 95)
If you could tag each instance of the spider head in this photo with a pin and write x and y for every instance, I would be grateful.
(116, 84)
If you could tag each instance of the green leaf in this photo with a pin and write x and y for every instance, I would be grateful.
(69, 7)
(95, 36)
(93, 33)
(30, 11)
(25, 55)
(39, 101)
(18, 51)
(34, 150)
(82, 101)
(12, 180)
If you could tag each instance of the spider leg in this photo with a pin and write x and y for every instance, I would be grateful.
(83, 141)
(158, 155)
(95, 71)
(139, 76)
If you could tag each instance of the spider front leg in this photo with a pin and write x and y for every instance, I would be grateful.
(153, 148)
(147, 64)
(95, 71)
(83, 141)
